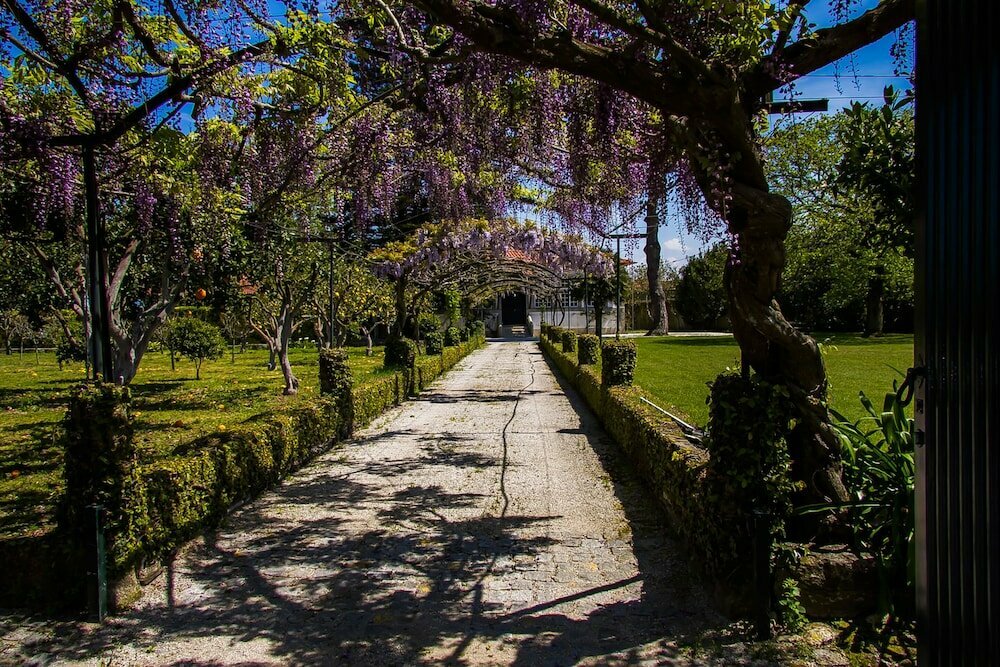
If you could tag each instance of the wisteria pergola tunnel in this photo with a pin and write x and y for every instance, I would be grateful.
(480, 259)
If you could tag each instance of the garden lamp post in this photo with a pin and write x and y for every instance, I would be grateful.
(618, 277)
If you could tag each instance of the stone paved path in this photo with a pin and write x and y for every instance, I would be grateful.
(487, 522)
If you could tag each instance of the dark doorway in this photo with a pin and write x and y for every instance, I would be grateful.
(514, 308)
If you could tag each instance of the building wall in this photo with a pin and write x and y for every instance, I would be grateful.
(563, 310)
(575, 319)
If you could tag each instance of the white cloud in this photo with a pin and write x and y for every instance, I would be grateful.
(673, 245)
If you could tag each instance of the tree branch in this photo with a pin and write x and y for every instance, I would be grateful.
(794, 12)
(827, 46)
(500, 31)
(141, 34)
(63, 68)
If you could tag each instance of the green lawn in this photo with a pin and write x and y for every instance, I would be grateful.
(676, 369)
(170, 409)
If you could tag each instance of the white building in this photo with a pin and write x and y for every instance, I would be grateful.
(519, 313)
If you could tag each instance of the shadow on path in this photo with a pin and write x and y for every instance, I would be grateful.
(380, 562)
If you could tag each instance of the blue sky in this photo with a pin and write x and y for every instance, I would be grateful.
(862, 77)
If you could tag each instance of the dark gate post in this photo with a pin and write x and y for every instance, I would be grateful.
(957, 334)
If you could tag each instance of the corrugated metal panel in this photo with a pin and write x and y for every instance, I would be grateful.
(958, 308)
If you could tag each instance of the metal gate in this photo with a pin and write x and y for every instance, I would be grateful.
(958, 302)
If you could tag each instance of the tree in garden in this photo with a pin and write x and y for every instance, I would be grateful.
(878, 164)
(13, 325)
(88, 96)
(66, 332)
(236, 328)
(196, 339)
(709, 68)
(701, 294)
(598, 290)
(361, 301)
(50, 291)
(836, 253)
(108, 70)
(278, 308)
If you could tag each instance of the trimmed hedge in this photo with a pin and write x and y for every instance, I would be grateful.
(434, 342)
(588, 349)
(154, 507)
(400, 352)
(618, 362)
(452, 337)
(569, 341)
(697, 499)
(334, 371)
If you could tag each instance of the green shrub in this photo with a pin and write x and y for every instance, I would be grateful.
(477, 329)
(434, 342)
(334, 371)
(427, 323)
(879, 467)
(100, 455)
(67, 349)
(555, 334)
(569, 341)
(589, 348)
(196, 339)
(448, 303)
(374, 396)
(335, 380)
(463, 334)
(543, 329)
(700, 296)
(400, 352)
(451, 337)
(749, 465)
(70, 350)
(617, 362)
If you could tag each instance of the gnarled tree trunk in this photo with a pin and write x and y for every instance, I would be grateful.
(772, 346)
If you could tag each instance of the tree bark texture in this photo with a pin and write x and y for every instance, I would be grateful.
(284, 335)
(875, 304)
(772, 346)
(659, 320)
